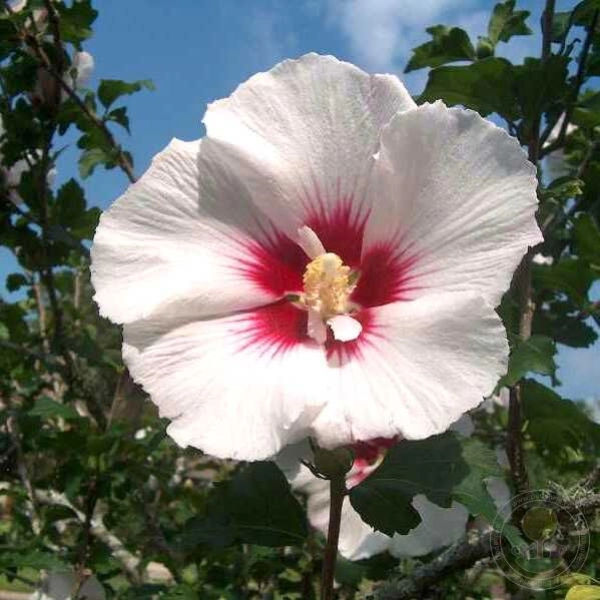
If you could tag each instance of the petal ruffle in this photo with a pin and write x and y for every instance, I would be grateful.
(168, 242)
(415, 369)
(303, 134)
(241, 386)
(457, 195)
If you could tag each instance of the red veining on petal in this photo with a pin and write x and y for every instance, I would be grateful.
(341, 230)
(272, 329)
(278, 327)
(385, 276)
(276, 264)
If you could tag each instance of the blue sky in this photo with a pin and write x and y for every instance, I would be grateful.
(197, 51)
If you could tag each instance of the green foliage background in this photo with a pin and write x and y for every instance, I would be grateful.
(88, 480)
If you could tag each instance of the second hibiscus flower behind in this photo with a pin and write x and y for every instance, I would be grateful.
(325, 262)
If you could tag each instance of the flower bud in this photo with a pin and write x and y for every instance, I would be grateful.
(333, 463)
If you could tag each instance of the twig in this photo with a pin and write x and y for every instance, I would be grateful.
(588, 504)
(460, 556)
(15, 434)
(60, 59)
(98, 529)
(37, 292)
(159, 540)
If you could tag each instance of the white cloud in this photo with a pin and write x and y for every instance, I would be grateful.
(271, 33)
(267, 31)
(381, 33)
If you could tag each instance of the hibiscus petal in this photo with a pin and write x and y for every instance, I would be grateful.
(457, 195)
(344, 327)
(414, 370)
(166, 241)
(302, 136)
(439, 527)
(240, 386)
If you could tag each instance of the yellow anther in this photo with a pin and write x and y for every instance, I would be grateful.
(327, 285)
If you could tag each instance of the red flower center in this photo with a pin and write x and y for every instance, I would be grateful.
(278, 266)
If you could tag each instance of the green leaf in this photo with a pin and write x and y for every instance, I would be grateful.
(32, 559)
(448, 45)
(585, 118)
(563, 188)
(255, 507)
(571, 276)
(535, 354)
(562, 321)
(587, 239)
(561, 23)
(76, 20)
(472, 491)
(90, 159)
(506, 22)
(15, 281)
(110, 90)
(440, 467)
(538, 84)
(47, 408)
(70, 204)
(583, 13)
(587, 111)
(70, 213)
(555, 423)
(485, 86)
(119, 115)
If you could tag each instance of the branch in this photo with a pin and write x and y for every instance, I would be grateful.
(99, 530)
(458, 557)
(466, 553)
(588, 504)
(13, 431)
(522, 288)
(37, 292)
(55, 27)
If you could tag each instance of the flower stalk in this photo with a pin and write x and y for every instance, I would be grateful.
(337, 487)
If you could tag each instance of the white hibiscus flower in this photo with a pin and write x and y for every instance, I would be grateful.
(324, 262)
